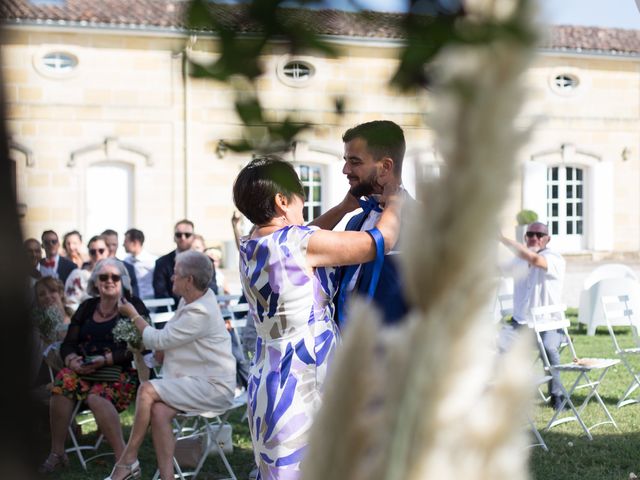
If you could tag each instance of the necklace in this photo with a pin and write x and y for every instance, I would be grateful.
(108, 314)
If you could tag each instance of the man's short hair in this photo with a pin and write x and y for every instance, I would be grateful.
(95, 238)
(70, 234)
(184, 221)
(134, 235)
(108, 232)
(47, 232)
(384, 139)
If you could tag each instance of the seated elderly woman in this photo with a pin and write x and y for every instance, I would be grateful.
(97, 368)
(198, 373)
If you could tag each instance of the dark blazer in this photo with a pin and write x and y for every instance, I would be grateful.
(65, 267)
(134, 280)
(162, 284)
(389, 294)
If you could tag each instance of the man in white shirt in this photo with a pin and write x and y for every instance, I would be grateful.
(142, 261)
(538, 274)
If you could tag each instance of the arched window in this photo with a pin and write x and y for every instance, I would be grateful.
(109, 187)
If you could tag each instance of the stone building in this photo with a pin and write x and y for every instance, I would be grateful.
(108, 130)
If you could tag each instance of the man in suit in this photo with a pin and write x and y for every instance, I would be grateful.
(53, 265)
(370, 149)
(183, 235)
(111, 239)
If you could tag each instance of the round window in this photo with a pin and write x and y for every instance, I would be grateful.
(295, 72)
(55, 63)
(565, 83)
(59, 62)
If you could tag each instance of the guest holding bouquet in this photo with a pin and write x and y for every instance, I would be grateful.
(198, 373)
(97, 368)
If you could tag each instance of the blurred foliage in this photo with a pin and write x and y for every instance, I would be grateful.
(428, 28)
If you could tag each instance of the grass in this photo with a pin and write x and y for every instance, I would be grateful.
(611, 455)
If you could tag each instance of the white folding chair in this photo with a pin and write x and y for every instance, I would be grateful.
(210, 426)
(618, 311)
(552, 317)
(152, 303)
(532, 424)
(83, 416)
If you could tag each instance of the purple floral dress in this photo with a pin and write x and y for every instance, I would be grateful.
(293, 310)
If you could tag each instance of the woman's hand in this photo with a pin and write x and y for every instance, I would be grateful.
(391, 191)
(125, 308)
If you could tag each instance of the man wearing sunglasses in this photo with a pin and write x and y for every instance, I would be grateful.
(183, 237)
(538, 274)
(53, 265)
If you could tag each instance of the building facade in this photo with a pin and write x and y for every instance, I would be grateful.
(108, 130)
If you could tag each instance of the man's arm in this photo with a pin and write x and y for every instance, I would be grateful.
(329, 219)
(524, 253)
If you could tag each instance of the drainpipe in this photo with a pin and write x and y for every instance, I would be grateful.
(186, 123)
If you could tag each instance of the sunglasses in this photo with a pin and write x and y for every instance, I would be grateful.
(103, 277)
(535, 234)
(94, 251)
(183, 234)
(50, 242)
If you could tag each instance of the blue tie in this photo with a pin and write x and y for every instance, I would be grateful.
(351, 270)
(369, 204)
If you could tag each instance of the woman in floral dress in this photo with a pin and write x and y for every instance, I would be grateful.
(288, 280)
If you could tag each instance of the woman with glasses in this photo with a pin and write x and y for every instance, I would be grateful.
(97, 368)
(75, 288)
(198, 370)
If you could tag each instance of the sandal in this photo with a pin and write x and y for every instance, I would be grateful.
(54, 462)
(134, 470)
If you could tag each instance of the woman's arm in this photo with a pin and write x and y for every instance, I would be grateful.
(329, 219)
(327, 248)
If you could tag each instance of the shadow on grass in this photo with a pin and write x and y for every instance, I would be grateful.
(609, 456)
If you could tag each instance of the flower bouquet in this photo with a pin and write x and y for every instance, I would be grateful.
(126, 331)
(49, 321)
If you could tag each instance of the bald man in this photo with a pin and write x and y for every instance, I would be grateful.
(538, 274)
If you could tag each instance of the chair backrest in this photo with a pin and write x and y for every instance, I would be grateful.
(167, 303)
(239, 314)
(505, 302)
(160, 318)
(609, 270)
(550, 317)
(618, 311)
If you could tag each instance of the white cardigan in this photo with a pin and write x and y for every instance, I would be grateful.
(195, 342)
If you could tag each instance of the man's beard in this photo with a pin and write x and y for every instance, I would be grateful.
(365, 187)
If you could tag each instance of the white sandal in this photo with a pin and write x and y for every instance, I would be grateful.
(134, 470)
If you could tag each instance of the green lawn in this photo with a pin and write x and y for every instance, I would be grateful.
(612, 454)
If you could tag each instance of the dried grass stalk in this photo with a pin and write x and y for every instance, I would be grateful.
(424, 401)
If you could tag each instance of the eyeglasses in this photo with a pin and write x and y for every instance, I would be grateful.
(103, 277)
(535, 234)
(94, 251)
(50, 242)
(183, 234)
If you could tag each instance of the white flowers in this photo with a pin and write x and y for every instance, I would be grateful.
(126, 331)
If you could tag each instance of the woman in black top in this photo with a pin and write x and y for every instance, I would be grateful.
(97, 368)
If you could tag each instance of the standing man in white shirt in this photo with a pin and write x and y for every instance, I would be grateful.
(142, 261)
(538, 274)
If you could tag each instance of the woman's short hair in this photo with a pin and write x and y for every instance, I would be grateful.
(196, 264)
(125, 281)
(259, 182)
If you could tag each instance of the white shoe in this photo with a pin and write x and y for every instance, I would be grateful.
(134, 470)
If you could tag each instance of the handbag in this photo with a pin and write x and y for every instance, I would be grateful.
(110, 373)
